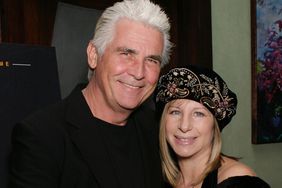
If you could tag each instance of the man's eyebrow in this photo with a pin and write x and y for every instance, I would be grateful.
(132, 51)
(128, 50)
(156, 57)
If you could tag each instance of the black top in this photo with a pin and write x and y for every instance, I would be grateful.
(234, 182)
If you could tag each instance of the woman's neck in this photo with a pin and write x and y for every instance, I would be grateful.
(192, 169)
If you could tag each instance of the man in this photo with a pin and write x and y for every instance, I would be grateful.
(101, 135)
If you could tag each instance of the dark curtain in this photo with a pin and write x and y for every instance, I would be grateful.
(32, 21)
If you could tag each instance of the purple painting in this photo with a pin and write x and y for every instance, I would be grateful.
(267, 71)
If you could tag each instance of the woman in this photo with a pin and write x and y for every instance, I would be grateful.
(194, 105)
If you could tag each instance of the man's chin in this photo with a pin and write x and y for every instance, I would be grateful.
(131, 106)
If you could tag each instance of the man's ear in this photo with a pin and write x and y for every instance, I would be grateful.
(92, 55)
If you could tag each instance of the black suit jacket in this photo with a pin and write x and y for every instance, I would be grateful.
(59, 147)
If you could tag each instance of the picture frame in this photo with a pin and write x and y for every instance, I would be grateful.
(266, 49)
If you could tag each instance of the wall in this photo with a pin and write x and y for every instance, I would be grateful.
(232, 59)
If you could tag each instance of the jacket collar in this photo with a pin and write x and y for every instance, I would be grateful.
(88, 139)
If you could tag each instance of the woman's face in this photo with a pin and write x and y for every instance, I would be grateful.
(189, 128)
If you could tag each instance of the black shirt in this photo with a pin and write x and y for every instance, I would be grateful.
(124, 150)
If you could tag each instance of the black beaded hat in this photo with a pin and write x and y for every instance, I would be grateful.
(201, 85)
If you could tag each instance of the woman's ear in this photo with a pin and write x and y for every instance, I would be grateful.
(92, 55)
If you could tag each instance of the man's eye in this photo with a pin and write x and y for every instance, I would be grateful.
(153, 61)
(124, 53)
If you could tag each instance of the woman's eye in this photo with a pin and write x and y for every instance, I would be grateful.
(174, 112)
(199, 114)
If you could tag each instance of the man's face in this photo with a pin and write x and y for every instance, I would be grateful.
(128, 71)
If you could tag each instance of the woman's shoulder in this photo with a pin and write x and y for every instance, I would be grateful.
(233, 173)
(230, 167)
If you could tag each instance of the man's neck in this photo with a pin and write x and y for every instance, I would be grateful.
(102, 110)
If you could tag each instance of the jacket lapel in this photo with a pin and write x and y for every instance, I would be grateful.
(88, 139)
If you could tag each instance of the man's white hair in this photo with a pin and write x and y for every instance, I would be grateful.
(137, 10)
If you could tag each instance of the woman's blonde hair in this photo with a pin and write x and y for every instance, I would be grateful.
(170, 166)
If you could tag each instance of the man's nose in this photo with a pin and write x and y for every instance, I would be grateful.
(137, 69)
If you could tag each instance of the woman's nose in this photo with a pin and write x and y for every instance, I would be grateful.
(185, 125)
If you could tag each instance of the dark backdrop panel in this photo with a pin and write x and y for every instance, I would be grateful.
(28, 81)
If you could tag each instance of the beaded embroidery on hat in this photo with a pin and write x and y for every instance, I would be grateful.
(208, 89)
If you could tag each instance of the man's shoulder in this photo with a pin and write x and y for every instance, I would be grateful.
(55, 113)
(47, 114)
(46, 124)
